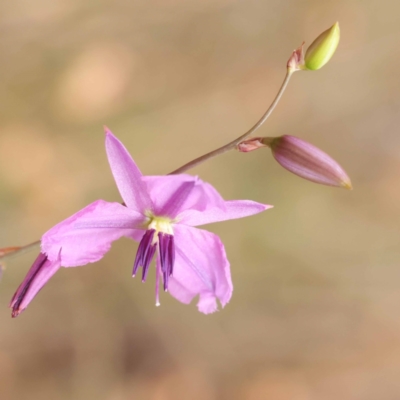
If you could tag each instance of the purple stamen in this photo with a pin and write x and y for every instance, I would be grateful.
(144, 253)
(157, 284)
(147, 261)
(171, 254)
(167, 256)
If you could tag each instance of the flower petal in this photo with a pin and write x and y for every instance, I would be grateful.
(127, 175)
(87, 235)
(172, 194)
(233, 209)
(201, 268)
(38, 275)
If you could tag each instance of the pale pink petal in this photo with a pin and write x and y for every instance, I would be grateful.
(173, 194)
(38, 275)
(177, 201)
(201, 268)
(127, 175)
(87, 235)
(233, 209)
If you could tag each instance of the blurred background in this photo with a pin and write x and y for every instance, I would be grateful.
(315, 310)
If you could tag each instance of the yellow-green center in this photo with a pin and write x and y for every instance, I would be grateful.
(159, 224)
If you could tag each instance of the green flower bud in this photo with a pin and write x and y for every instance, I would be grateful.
(322, 48)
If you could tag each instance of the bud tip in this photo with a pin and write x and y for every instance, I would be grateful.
(347, 185)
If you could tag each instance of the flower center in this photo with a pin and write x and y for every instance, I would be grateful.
(159, 234)
(160, 224)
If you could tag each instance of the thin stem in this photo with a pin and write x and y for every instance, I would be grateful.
(234, 143)
(193, 163)
(4, 253)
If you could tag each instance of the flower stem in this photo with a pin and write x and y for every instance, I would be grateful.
(11, 252)
(234, 143)
(197, 161)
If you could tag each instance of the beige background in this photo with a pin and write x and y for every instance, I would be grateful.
(316, 306)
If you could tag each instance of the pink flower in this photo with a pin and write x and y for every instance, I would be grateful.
(160, 213)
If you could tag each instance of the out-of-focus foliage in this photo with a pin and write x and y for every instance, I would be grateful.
(315, 310)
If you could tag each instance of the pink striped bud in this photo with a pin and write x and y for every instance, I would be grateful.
(307, 161)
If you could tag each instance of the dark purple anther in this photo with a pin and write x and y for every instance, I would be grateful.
(147, 261)
(145, 253)
(167, 256)
(171, 253)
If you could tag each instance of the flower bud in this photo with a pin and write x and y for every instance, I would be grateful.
(322, 48)
(307, 161)
(296, 60)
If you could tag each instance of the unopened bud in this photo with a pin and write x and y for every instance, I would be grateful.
(322, 48)
(296, 60)
(307, 161)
